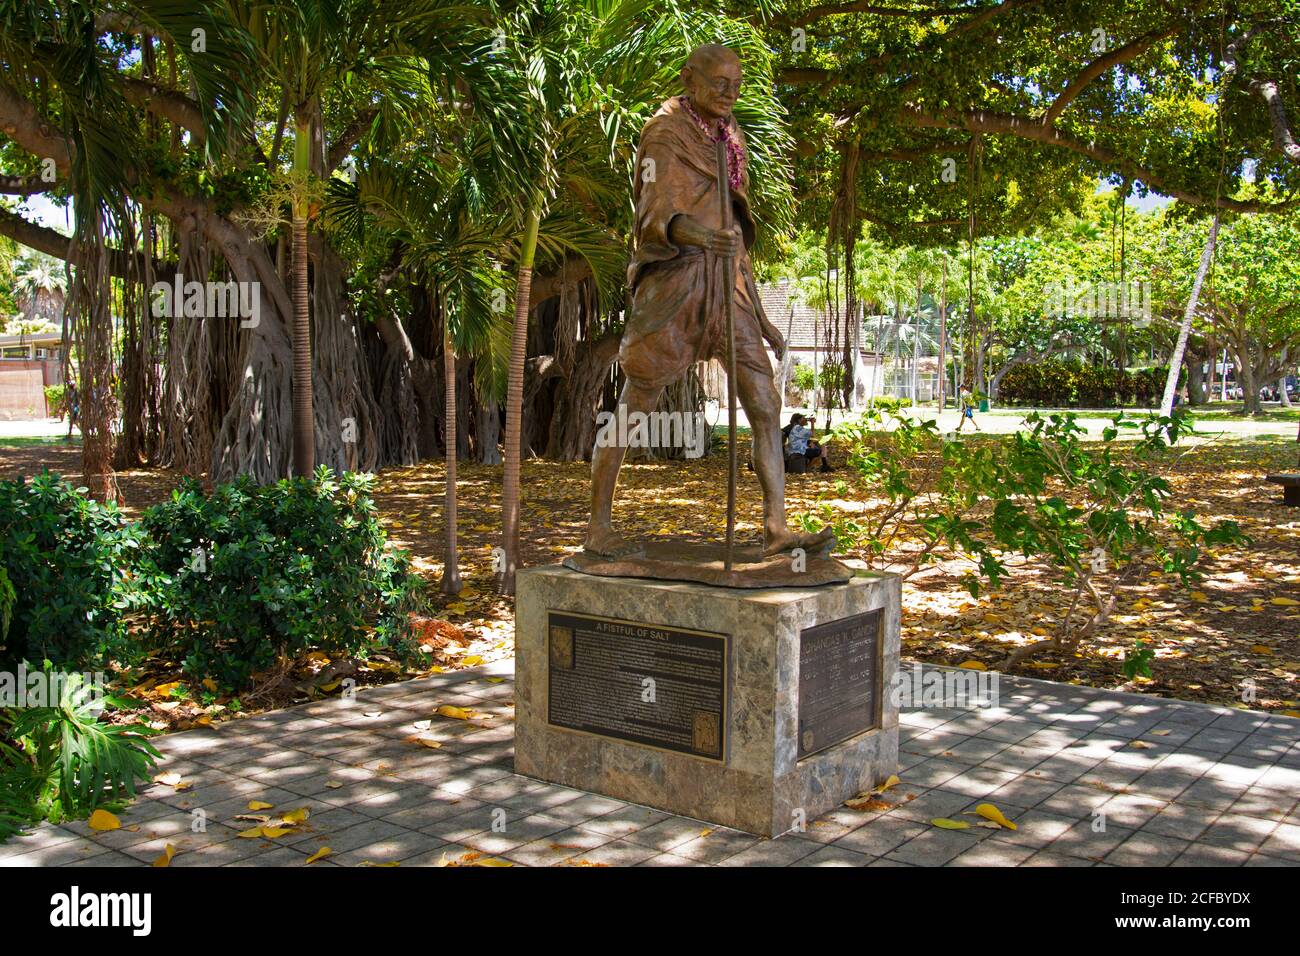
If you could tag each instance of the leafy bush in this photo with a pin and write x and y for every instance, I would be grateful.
(804, 377)
(891, 403)
(828, 381)
(56, 397)
(1149, 384)
(70, 561)
(1071, 383)
(252, 575)
(1095, 518)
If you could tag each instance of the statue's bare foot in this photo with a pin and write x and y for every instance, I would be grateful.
(608, 544)
(775, 542)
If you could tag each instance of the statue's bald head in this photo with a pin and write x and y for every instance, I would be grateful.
(710, 54)
(711, 77)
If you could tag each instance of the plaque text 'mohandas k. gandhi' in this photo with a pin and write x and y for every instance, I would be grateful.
(659, 686)
(838, 676)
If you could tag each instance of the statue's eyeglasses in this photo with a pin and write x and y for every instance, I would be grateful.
(722, 86)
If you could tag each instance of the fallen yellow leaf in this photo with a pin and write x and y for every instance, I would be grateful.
(102, 821)
(990, 812)
(889, 784)
(459, 713)
(319, 854)
(169, 851)
(947, 824)
(259, 805)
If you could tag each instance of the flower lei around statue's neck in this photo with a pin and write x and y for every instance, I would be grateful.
(722, 133)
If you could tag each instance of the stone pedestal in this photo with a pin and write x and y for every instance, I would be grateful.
(753, 709)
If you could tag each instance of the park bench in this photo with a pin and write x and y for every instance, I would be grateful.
(1290, 487)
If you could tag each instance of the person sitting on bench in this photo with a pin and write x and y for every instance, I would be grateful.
(799, 441)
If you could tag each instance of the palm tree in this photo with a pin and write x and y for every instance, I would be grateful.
(307, 46)
(40, 292)
(391, 60)
(427, 213)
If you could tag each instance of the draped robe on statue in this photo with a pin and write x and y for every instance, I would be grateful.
(678, 313)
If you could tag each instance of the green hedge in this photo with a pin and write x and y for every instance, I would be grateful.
(71, 561)
(226, 583)
(1070, 383)
(253, 573)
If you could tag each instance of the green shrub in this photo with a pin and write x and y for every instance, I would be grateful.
(1095, 518)
(56, 397)
(891, 403)
(1149, 385)
(804, 377)
(70, 561)
(1071, 383)
(252, 575)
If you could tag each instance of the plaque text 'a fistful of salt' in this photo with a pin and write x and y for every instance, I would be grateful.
(659, 686)
(839, 666)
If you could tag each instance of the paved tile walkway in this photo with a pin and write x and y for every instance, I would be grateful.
(1090, 777)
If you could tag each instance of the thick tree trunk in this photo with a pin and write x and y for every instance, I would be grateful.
(399, 426)
(344, 408)
(256, 433)
(141, 358)
(487, 421)
(92, 307)
(1249, 383)
(1195, 382)
(578, 398)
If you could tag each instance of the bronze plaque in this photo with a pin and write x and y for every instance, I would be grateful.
(839, 667)
(664, 687)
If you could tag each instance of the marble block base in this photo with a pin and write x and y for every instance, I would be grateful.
(756, 779)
